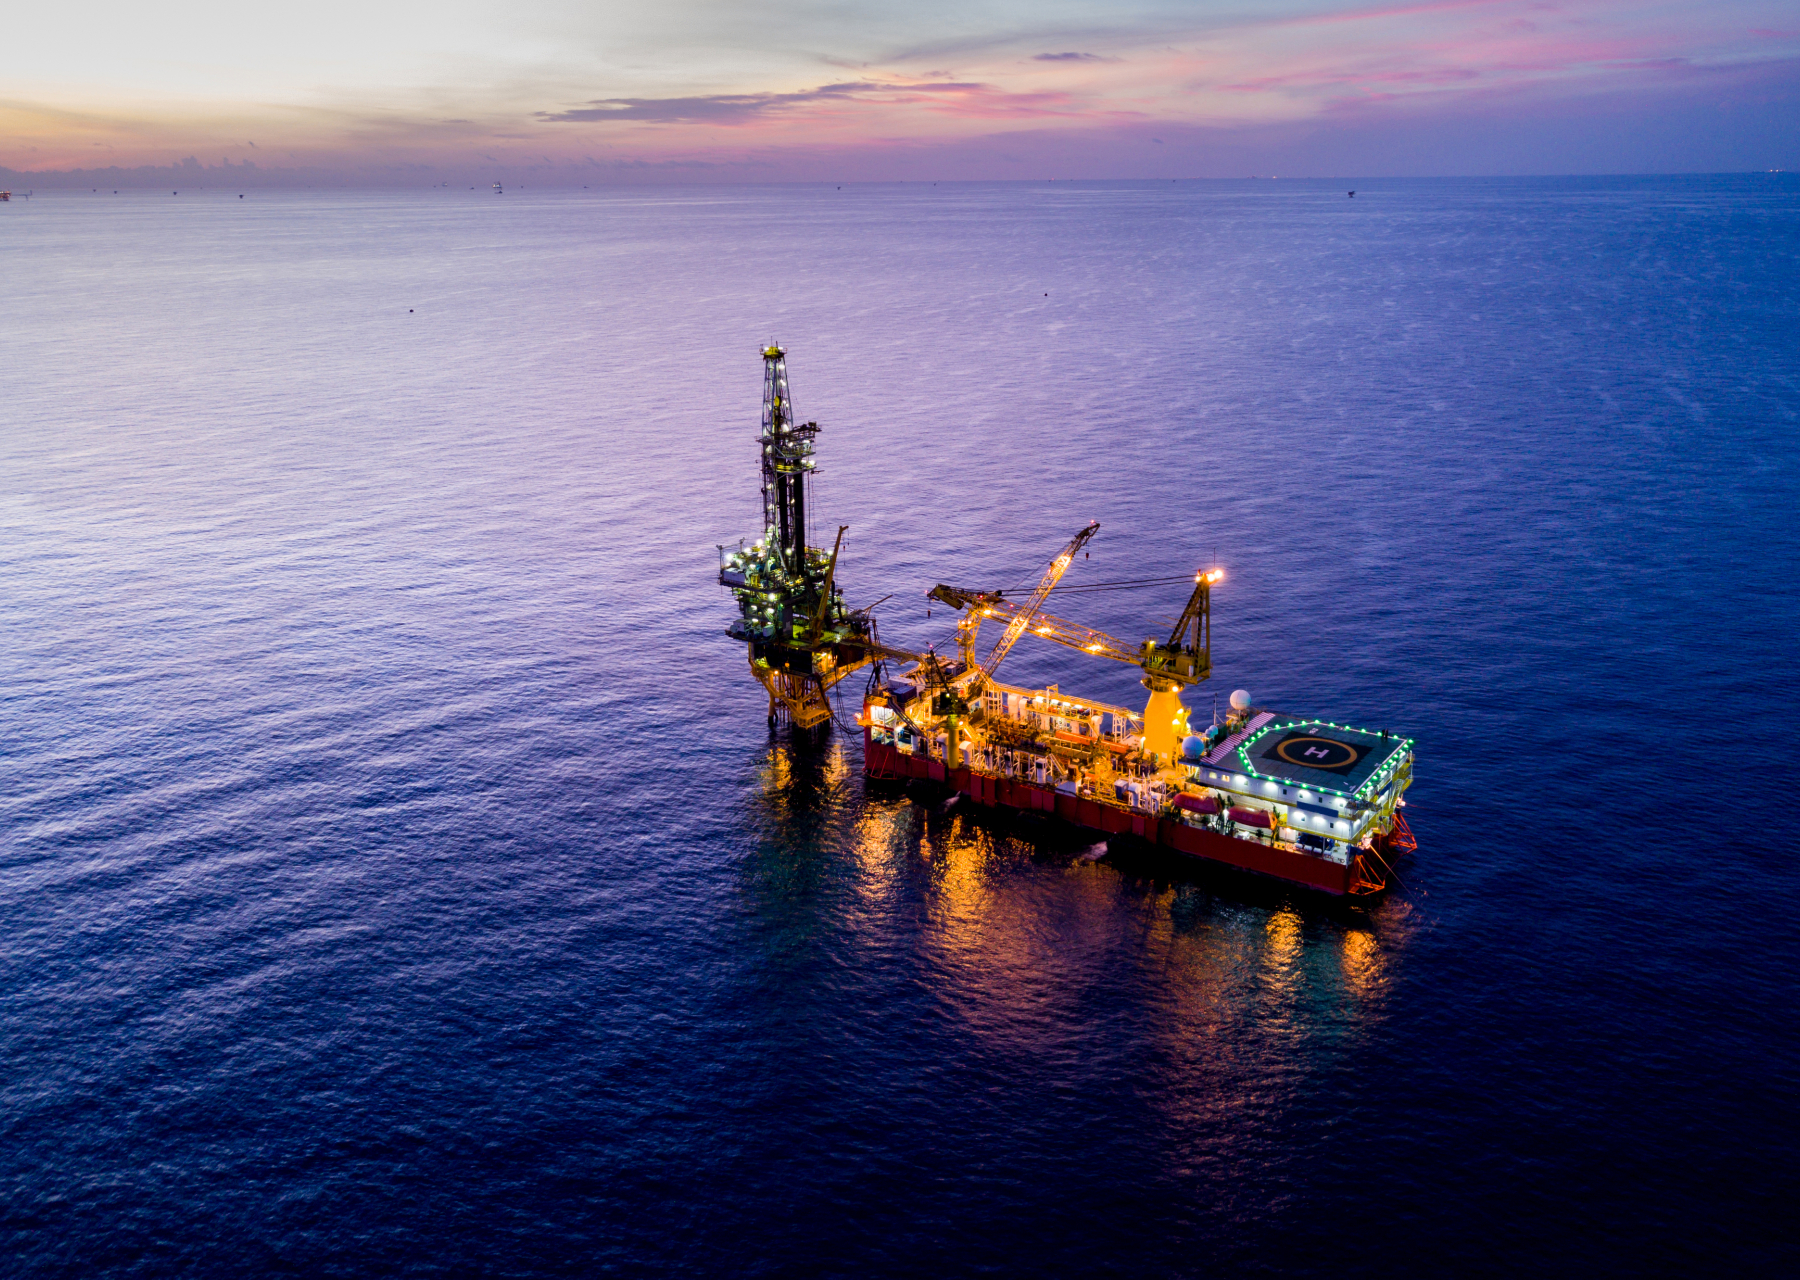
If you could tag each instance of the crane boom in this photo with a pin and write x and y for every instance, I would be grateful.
(1187, 657)
(989, 604)
(818, 620)
(1020, 620)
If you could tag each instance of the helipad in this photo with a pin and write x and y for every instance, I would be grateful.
(1315, 754)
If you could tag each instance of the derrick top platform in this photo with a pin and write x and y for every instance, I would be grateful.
(1317, 755)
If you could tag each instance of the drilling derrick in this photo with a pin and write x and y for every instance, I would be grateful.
(787, 460)
(802, 638)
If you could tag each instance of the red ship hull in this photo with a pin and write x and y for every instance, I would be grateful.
(1364, 875)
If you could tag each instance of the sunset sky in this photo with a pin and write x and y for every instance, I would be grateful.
(397, 90)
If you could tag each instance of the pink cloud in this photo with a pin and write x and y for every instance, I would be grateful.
(1257, 73)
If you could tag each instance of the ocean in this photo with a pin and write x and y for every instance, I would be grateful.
(399, 876)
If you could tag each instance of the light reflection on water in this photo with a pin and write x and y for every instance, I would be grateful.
(367, 869)
(1364, 964)
(1230, 995)
(1281, 954)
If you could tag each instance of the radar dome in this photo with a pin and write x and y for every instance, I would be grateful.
(1193, 748)
(1240, 699)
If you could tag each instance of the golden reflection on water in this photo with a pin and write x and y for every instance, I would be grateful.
(1015, 942)
(1009, 940)
(782, 767)
(777, 770)
(1248, 1005)
(1010, 931)
(1364, 964)
(878, 844)
(1237, 1000)
(1281, 955)
(963, 898)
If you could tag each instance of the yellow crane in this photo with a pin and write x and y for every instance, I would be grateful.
(1021, 616)
(952, 693)
(1169, 666)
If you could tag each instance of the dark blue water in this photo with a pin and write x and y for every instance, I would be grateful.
(399, 877)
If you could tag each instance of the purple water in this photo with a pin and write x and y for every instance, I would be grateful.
(398, 875)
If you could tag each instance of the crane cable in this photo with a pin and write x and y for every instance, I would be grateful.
(1124, 584)
(1120, 584)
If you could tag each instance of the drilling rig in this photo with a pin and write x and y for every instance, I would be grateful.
(802, 637)
(1312, 802)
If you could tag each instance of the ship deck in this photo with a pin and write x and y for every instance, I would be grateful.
(1352, 876)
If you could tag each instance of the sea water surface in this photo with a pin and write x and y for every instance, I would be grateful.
(398, 875)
